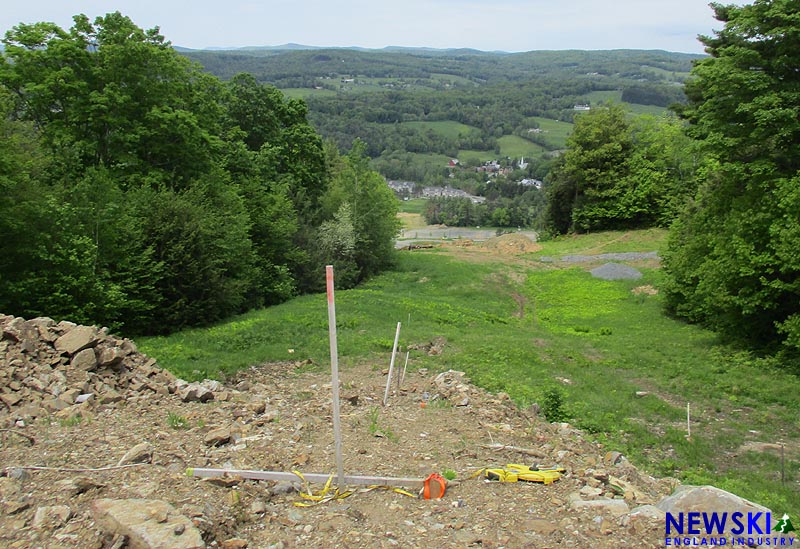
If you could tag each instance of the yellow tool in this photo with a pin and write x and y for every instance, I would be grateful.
(514, 472)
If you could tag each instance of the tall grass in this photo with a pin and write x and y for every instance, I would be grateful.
(538, 330)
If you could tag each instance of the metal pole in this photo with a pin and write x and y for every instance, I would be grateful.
(391, 365)
(337, 433)
(199, 472)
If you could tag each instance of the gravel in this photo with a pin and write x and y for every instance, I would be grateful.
(616, 271)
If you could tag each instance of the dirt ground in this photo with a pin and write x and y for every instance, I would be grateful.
(278, 418)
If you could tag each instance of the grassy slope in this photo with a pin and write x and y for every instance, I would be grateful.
(447, 128)
(555, 132)
(515, 147)
(523, 326)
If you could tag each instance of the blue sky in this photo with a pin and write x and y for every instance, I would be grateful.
(506, 25)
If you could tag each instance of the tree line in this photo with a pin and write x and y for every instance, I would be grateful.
(725, 176)
(143, 193)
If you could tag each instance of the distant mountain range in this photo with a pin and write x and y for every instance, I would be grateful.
(302, 47)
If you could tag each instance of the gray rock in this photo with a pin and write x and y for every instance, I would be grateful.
(590, 492)
(282, 488)
(615, 507)
(72, 487)
(85, 397)
(51, 517)
(84, 360)
(647, 512)
(77, 339)
(686, 499)
(141, 453)
(194, 392)
(140, 521)
(218, 437)
(111, 356)
(19, 330)
(258, 507)
(109, 396)
(18, 473)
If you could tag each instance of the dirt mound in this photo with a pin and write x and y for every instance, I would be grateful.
(512, 243)
(93, 480)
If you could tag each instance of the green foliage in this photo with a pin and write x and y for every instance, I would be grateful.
(732, 262)
(177, 421)
(146, 195)
(620, 173)
(359, 237)
(375, 429)
(552, 404)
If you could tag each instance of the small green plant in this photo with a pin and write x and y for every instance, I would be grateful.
(553, 404)
(375, 429)
(374, 413)
(71, 421)
(439, 403)
(177, 421)
(449, 474)
(605, 331)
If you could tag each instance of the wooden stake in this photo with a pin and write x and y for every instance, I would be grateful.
(337, 433)
(391, 365)
(310, 477)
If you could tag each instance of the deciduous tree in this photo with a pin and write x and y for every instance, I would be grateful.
(732, 261)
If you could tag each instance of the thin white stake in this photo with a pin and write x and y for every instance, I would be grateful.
(391, 365)
(337, 434)
(688, 422)
(405, 367)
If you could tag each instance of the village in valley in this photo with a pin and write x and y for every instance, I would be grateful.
(492, 169)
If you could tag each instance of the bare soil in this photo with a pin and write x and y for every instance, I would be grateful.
(279, 417)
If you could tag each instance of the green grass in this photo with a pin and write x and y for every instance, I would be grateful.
(446, 128)
(554, 132)
(645, 109)
(414, 206)
(515, 147)
(452, 79)
(605, 242)
(605, 96)
(473, 156)
(432, 161)
(302, 93)
(608, 341)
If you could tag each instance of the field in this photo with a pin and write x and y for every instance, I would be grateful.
(447, 128)
(554, 131)
(599, 354)
(515, 147)
(596, 97)
(303, 93)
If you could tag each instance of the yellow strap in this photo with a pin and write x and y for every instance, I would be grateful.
(325, 495)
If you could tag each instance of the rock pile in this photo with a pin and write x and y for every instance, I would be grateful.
(57, 368)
